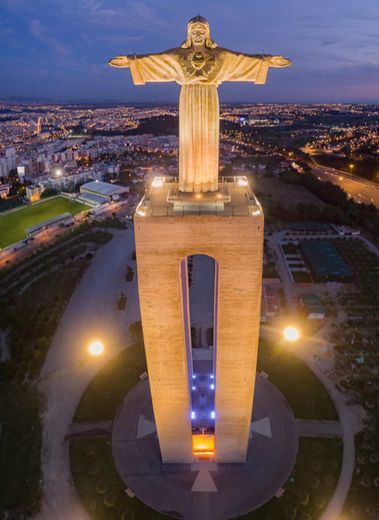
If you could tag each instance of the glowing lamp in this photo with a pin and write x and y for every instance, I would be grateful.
(157, 182)
(213, 414)
(96, 348)
(291, 333)
(242, 182)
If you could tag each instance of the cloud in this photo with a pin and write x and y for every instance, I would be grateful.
(330, 42)
(130, 14)
(37, 29)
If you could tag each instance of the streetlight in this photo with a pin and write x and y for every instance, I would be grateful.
(242, 182)
(96, 347)
(291, 333)
(157, 182)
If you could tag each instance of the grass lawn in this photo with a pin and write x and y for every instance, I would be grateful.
(12, 225)
(311, 485)
(301, 277)
(101, 400)
(304, 392)
(99, 486)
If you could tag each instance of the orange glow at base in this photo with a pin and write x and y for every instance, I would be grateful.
(203, 445)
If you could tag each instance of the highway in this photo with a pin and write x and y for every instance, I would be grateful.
(359, 189)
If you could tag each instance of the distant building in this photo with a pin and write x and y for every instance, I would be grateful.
(4, 190)
(38, 126)
(33, 193)
(99, 192)
(8, 163)
(324, 261)
(10, 155)
(313, 307)
(345, 231)
(21, 173)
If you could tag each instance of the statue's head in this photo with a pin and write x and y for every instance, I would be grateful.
(198, 34)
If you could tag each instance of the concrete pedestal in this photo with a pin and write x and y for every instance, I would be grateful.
(227, 226)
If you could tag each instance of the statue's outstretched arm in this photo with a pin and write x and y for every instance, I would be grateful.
(277, 61)
(122, 62)
(145, 68)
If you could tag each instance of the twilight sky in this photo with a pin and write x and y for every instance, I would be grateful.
(58, 49)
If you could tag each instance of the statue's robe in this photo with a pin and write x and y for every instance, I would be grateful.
(199, 73)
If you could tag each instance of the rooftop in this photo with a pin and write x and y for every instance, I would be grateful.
(106, 189)
(92, 199)
(234, 197)
(324, 259)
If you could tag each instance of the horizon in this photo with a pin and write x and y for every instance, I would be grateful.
(36, 101)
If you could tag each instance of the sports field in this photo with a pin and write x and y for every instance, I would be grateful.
(12, 225)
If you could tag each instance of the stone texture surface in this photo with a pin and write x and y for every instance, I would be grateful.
(236, 243)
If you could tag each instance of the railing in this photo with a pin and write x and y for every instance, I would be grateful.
(145, 208)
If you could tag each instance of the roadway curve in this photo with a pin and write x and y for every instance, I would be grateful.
(359, 189)
(91, 312)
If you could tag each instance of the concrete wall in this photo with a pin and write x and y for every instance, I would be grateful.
(237, 245)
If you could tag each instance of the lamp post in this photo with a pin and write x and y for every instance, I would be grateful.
(96, 348)
(291, 333)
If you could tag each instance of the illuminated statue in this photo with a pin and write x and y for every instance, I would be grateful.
(200, 67)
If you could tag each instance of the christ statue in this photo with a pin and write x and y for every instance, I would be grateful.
(199, 66)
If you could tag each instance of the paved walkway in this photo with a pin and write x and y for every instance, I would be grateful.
(206, 491)
(92, 312)
(319, 428)
(87, 429)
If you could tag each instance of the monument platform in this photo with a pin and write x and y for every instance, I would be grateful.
(206, 490)
(234, 197)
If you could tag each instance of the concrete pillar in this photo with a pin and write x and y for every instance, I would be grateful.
(236, 243)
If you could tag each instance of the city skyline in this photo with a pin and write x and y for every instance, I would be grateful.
(333, 48)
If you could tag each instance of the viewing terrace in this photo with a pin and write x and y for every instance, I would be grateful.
(234, 197)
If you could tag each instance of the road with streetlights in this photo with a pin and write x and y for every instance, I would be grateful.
(358, 188)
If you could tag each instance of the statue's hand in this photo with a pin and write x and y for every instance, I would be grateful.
(119, 61)
(279, 61)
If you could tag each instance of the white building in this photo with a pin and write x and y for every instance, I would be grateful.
(98, 192)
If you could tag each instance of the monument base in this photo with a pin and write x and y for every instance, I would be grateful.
(206, 490)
